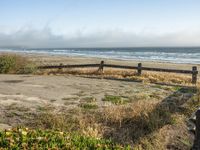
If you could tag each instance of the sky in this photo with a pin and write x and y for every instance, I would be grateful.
(99, 23)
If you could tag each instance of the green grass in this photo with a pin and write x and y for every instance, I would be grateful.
(88, 106)
(22, 138)
(88, 99)
(176, 88)
(69, 98)
(115, 99)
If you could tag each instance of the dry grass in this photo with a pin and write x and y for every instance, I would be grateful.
(143, 124)
(147, 77)
(192, 105)
(115, 114)
(172, 78)
(123, 124)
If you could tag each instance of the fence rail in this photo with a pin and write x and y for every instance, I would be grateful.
(68, 66)
(139, 68)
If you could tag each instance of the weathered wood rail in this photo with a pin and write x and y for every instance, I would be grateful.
(68, 66)
(139, 68)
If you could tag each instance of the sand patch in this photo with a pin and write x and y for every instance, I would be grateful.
(4, 126)
(21, 100)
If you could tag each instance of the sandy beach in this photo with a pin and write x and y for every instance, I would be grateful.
(57, 59)
(44, 59)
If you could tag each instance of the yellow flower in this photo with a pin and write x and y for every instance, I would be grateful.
(24, 133)
(8, 133)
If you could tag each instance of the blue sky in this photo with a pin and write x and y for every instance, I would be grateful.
(99, 23)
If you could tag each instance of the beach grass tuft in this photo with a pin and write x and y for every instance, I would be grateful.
(118, 100)
(122, 74)
(88, 106)
(11, 63)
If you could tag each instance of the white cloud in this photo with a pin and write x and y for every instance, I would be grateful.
(39, 38)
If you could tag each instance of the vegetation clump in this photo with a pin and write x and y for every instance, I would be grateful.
(89, 99)
(153, 124)
(115, 99)
(89, 106)
(23, 138)
(10, 63)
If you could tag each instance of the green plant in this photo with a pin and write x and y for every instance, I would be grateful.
(23, 138)
(16, 64)
(88, 99)
(69, 98)
(89, 106)
(176, 88)
(7, 63)
(115, 99)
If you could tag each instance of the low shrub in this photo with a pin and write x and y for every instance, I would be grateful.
(10, 63)
(23, 138)
(7, 63)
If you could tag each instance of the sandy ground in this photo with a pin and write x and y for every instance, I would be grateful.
(22, 94)
(22, 97)
(47, 89)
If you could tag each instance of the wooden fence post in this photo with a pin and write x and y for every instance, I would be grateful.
(196, 145)
(101, 66)
(139, 69)
(194, 74)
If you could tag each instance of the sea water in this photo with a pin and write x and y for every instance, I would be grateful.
(162, 54)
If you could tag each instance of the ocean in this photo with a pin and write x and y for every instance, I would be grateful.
(190, 55)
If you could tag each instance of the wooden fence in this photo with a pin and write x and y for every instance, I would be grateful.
(139, 68)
